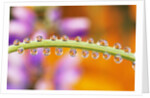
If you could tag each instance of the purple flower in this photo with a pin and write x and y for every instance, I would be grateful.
(22, 24)
(67, 73)
(54, 14)
(17, 77)
(23, 14)
(75, 26)
(18, 30)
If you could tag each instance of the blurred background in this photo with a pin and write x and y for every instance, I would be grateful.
(112, 23)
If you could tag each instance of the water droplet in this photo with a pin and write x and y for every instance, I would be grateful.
(90, 40)
(16, 42)
(95, 55)
(64, 38)
(58, 51)
(85, 53)
(127, 50)
(20, 50)
(39, 38)
(106, 55)
(118, 59)
(53, 38)
(73, 52)
(102, 43)
(46, 51)
(117, 46)
(27, 40)
(78, 39)
(133, 65)
(33, 51)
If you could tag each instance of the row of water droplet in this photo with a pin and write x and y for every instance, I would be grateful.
(73, 52)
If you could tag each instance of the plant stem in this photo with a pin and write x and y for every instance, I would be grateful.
(73, 44)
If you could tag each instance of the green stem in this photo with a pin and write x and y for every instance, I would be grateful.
(73, 44)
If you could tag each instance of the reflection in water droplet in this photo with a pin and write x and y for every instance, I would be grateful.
(58, 51)
(33, 51)
(46, 51)
(106, 55)
(53, 38)
(90, 40)
(16, 42)
(39, 38)
(117, 46)
(20, 50)
(78, 39)
(127, 50)
(85, 53)
(102, 43)
(73, 52)
(26, 40)
(118, 59)
(64, 38)
(95, 55)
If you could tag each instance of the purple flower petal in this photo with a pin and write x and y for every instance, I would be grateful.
(23, 14)
(54, 14)
(67, 73)
(74, 26)
(17, 77)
